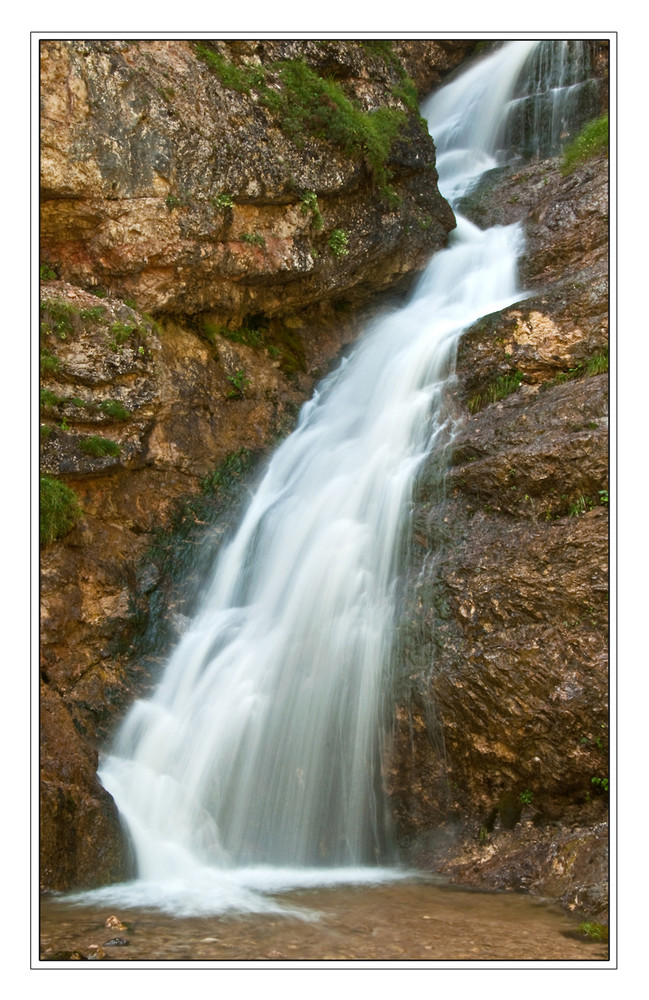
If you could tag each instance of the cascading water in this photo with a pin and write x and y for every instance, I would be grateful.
(256, 765)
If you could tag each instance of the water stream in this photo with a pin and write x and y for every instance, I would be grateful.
(255, 767)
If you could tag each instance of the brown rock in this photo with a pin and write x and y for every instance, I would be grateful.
(165, 185)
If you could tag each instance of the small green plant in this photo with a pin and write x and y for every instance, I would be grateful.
(223, 201)
(600, 784)
(309, 203)
(338, 242)
(239, 383)
(581, 505)
(121, 333)
(47, 273)
(561, 377)
(526, 797)
(166, 93)
(593, 931)
(99, 447)
(59, 318)
(49, 398)
(242, 335)
(603, 497)
(172, 201)
(59, 509)
(592, 140)
(254, 239)
(93, 314)
(49, 363)
(114, 409)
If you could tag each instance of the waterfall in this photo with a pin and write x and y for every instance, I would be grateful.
(257, 763)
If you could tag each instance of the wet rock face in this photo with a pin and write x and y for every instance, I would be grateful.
(505, 636)
(79, 831)
(171, 179)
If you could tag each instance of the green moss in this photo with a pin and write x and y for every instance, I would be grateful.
(592, 140)
(240, 78)
(99, 447)
(307, 103)
(59, 509)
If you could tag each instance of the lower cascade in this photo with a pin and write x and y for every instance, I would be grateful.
(257, 764)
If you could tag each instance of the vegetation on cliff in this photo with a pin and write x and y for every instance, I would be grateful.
(591, 141)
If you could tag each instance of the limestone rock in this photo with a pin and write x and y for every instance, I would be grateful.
(166, 185)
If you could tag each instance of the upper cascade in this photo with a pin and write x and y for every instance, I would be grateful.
(524, 100)
(555, 95)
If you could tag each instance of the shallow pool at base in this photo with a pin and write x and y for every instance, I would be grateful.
(408, 920)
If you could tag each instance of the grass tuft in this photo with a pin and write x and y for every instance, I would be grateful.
(99, 447)
(502, 387)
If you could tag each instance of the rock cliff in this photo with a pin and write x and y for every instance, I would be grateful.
(503, 731)
(216, 221)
